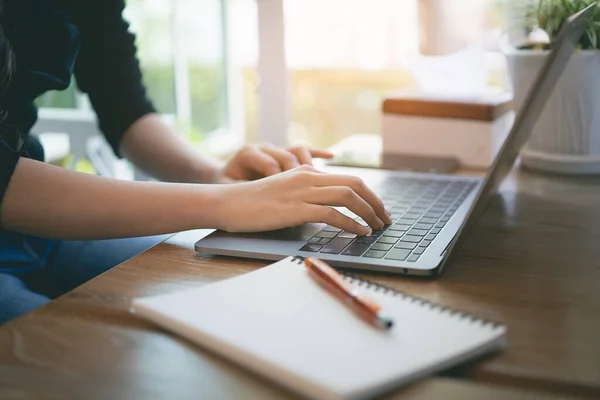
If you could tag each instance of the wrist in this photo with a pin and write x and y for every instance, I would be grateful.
(203, 206)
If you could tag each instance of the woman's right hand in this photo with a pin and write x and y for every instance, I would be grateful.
(296, 197)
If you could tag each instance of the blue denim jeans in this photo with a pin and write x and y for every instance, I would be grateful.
(34, 270)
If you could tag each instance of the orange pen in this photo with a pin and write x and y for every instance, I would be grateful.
(364, 306)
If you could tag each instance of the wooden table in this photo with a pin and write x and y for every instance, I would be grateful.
(532, 263)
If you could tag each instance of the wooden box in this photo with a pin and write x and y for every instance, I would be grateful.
(469, 129)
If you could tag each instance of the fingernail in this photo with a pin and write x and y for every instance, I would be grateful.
(388, 219)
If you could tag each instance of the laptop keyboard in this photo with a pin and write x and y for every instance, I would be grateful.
(420, 210)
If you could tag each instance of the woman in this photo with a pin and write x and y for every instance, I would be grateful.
(52, 220)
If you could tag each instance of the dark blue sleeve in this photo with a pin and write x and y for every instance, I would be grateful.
(10, 152)
(107, 68)
(13, 146)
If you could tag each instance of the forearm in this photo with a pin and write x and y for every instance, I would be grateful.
(52, 202)
(158, 150)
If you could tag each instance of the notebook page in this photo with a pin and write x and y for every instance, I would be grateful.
(280, 320)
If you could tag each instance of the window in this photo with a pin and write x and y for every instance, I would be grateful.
(324, 64)
(182, 51)
(181, 47)
(343, 56)
(354, 52)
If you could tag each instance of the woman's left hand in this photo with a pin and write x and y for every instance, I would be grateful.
(255, 162)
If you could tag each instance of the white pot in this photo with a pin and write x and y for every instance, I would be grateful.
(567, 136)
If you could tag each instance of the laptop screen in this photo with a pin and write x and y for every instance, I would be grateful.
(535, 102)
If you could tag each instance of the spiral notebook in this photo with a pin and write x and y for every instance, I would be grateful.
(279, 323)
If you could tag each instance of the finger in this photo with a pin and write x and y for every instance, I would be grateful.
(343, 196)
(302, 154)
(316, 153)
(258, 161)
(331, 216)
(360, 188)
(285, 159)
(310, 168)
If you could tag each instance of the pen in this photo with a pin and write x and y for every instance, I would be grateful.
(364, 306)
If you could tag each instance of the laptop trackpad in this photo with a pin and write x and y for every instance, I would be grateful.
(300, 233)
(272, 245)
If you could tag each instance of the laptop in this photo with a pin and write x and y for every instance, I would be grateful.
(430, 212)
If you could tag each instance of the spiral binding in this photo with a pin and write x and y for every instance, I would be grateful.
(298, 260)
(413, 299)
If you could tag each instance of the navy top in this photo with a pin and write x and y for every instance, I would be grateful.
(54, 40)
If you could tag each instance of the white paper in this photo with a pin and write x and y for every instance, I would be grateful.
(460, 74)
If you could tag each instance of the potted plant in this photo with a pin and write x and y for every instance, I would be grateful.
(567, 136)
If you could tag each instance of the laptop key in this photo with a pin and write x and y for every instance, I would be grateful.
(411, 238)
(435, 231)
(374, 254)
(426, 220)
(421, 225)
(405, 221)
(400, 227)
(444, 219)
(394, 233)
(329, 235)
(336, 246)
(431, 236)
(347, 235)
(413, 258)
(397, 254)
(366, 239)
(378, 232)
(417, 232)
(314, 240)
(440, 225)
(355, 249)
(324, 241)
(419, 250)
(412, 215)
(388, 240)
(312, 248)
(406, 245)
(425, 243)
(381, 246)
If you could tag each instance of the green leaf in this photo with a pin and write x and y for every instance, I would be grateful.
(550, 16)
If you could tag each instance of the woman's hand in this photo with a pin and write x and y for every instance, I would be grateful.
(255, 162)
(296, 197)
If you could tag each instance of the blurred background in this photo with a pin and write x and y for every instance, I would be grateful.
(329, 62)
